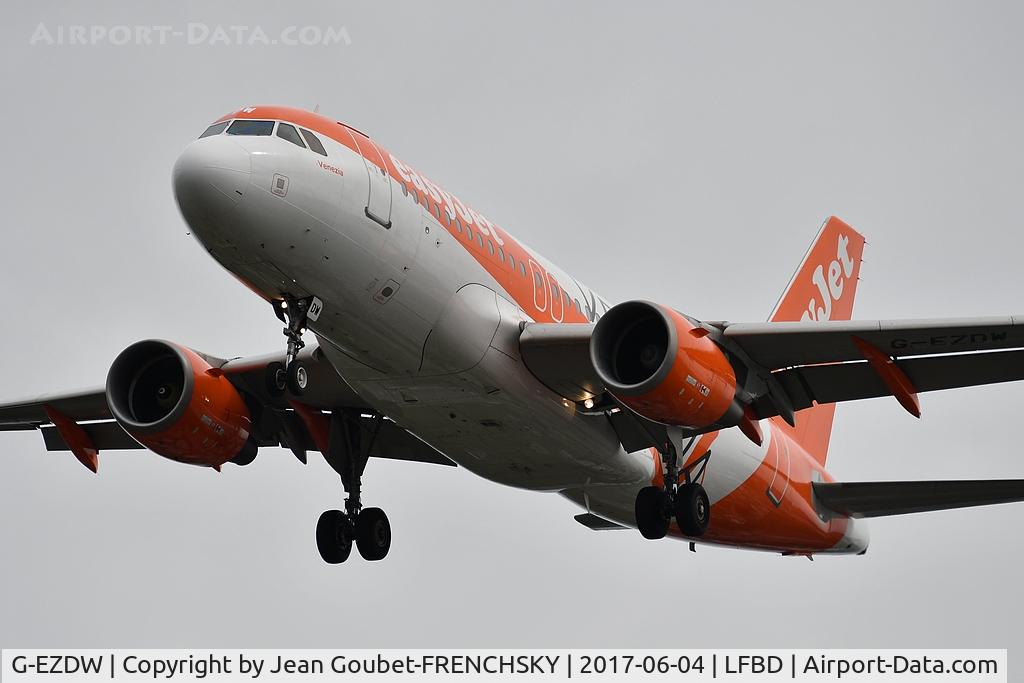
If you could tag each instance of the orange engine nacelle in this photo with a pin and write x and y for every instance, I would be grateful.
(661, 366)
(175, 404)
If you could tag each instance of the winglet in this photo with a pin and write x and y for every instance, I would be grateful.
(897, 381)
(76, 438)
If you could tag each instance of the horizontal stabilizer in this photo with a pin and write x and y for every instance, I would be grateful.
(885, 498)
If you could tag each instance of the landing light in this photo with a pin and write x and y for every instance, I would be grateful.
(284, 304)
(588, 403)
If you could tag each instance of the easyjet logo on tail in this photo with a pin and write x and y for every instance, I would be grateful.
(830, 280)
(826, 281)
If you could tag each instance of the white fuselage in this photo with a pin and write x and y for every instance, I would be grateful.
(419, 328)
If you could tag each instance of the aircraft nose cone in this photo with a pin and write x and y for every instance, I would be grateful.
(210, 177)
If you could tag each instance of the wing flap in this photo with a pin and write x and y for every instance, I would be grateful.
(392, 442)
(840, 382)
(882, 499)
(788, 344)
(107, 436)
(558, 354)
(395, 443)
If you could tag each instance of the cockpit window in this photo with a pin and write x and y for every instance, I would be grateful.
(215, 129)
(313, 142)
(289, 133)
(250, 127)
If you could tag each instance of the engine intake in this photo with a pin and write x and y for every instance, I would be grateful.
(172, 401)
(662, 366)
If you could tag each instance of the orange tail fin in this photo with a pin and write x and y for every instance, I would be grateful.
(823, 288)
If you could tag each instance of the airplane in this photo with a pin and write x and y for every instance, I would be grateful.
(440, 338)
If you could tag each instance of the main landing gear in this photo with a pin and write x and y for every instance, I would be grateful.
(349, 444)
(657, 505)
(292, 375)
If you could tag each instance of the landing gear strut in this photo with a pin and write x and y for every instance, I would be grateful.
(657, 505)
(292, 375)
(349, 444)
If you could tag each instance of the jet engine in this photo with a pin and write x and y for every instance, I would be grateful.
(173, 402)
(663, 367)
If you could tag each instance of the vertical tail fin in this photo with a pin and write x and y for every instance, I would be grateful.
(823, 288)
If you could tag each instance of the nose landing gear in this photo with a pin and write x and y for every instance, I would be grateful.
(656, 505)
(292, 375)
(368, 528)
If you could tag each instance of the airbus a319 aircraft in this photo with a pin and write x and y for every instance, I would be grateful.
(440, 338)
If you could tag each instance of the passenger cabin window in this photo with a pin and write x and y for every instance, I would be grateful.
(250, 127)
(215, 129)
(313, 142)
(288, 132)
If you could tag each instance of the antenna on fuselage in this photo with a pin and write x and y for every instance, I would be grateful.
(316, 109)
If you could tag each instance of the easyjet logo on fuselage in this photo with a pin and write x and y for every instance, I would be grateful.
(448, 203)
(830, 280)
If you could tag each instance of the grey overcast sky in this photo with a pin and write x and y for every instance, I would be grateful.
(679, 151)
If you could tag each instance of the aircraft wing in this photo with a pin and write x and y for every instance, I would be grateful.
(275, 421)
(818, 362)
(788, 344)
(832, 362)
(84, 405)
(881, 499)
